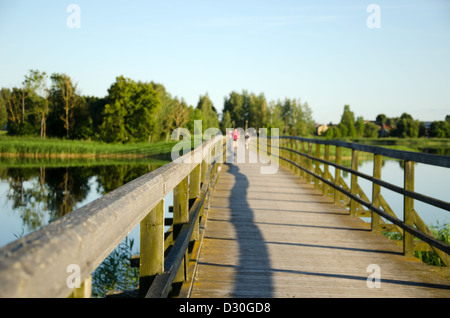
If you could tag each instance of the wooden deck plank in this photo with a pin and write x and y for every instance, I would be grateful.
(276, 236)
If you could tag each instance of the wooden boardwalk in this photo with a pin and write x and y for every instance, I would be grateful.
(276, 236)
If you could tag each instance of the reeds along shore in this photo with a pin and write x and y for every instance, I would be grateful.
(35, 147)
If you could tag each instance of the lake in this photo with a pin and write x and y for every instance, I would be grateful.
(34, 194)
(429, 180)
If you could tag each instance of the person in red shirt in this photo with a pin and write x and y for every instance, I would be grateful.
(235, 137)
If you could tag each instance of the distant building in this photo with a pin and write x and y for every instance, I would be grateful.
(384, 129)
(320, 129)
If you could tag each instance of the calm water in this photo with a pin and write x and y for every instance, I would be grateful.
(33, 196)
(429, 180)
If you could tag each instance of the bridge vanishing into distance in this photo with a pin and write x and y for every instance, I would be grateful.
(240, 229)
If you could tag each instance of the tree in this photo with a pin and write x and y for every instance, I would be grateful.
(3, 113)
(381, 118)
(180, 116)
(440, 129)
(36, 85)
(130, 112)
(83, 123)
(234, 104)
(371, 130)
(208, 114)
(359, 127)
(17, 112)
(64, 97)
(302, 123)
(164, 113)
(276, 116)
(347, 124)
(225, 122)
(406, 127)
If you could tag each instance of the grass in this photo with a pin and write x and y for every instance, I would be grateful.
(53, 147)
(440, 232)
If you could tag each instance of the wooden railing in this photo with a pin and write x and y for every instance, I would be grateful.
(44, 263)
(297, 153)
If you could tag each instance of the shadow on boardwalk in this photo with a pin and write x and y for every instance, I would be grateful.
(253, 274)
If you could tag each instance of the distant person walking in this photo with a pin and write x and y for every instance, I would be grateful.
(247, 137)
(235, 137)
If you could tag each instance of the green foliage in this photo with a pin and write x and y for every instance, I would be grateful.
(347, 124)
(371, 130)
(440, 232)
(3, 113)
(440, 129)
(406, 127)
(225, 122)
(248, 110)
(115, 272)
(129, 114)
(135, 111)
(206, 112)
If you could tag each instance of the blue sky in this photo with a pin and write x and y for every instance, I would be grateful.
(319, 51)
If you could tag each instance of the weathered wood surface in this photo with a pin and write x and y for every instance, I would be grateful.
(276, 236)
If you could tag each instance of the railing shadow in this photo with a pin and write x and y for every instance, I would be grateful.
(253, 274)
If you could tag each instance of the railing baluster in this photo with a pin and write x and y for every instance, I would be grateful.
(317, 165)
(180, 217)
(308, 176)
(151, 247)
(194, 192)
(296, 156)
(337, 174)
(408, 206)
(303, 161)
(354, 182)
(325, 169)
(376, 220)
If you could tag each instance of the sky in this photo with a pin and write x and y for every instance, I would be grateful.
(391, 59)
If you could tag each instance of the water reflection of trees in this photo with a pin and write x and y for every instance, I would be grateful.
(43, 194)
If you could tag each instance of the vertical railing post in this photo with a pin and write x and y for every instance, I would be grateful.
(291, 155)
(203, 170)
(354, 182)
(297, 157)
(408, 207)
(308, 176)
(151, 247)
(180, 217)
(317, 165)
(337, 174)
(326, 157)
(85, 289)
(302, 160)
(377, 164)
(180, 205)
(194, 192)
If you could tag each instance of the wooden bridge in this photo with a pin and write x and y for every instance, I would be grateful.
(237, 232)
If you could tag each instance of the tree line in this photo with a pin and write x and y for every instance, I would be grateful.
(404, 126)
(145, 111)
(135, 111)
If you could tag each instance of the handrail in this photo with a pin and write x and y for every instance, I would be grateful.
(435, 160)
(288, 153)
(37, 265)
(418, 196)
